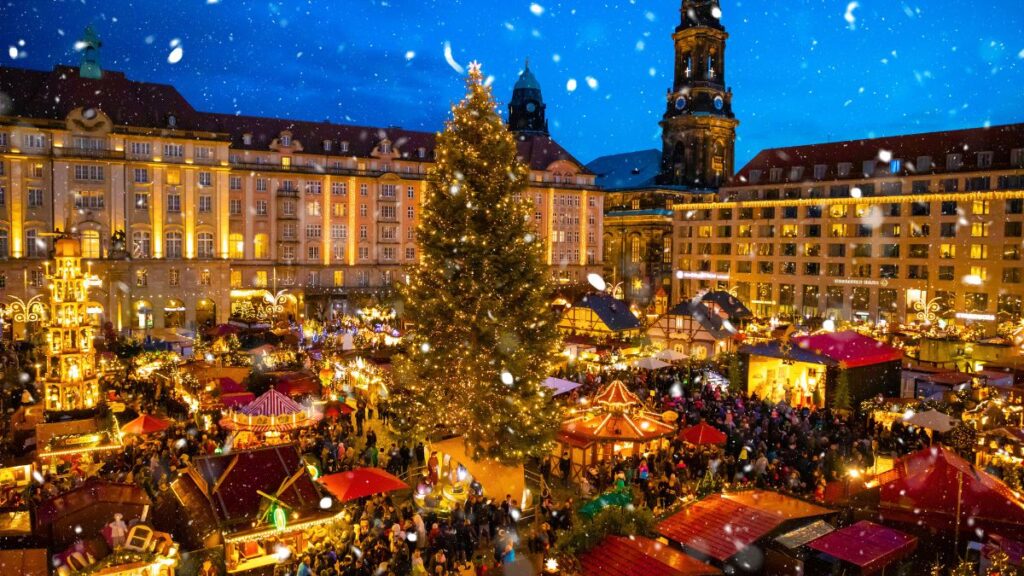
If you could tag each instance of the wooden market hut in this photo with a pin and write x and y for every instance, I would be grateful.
(250, 501)
(728, 307)
(599, 315)
(265, 419)
(87, 509)
(691, 328)
(616, 423)
(806, 370)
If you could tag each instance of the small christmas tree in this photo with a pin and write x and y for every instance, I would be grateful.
(485, 336)
(841, 395)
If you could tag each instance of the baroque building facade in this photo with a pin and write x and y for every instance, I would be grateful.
(187, 216)
(915, 228)
(698, 137)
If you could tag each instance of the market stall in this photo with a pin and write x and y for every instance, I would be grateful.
(862, 549)
(614, 424)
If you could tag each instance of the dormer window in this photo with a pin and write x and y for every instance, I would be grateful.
(869, 168)
(895, 166)
(796, 173)
(755, 176)
(327, 145)
(843, 168)
(953, 161)
(172, 121)
(1017, 157)
(421, 152)
(247, 139)
(385, 147)
(344, 146)
(286, 139)
(775, 175)
(984, 159)
(820, 170)
(924, 163)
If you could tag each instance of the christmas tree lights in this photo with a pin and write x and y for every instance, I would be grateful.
(485, 336)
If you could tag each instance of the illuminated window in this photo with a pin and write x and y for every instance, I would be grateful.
(979, 251)
(339, 277)
(947, 251)
(261, 247)
(205, 245)
(236, 246)
(980, 229)
(838, 210)
(634, 249)
(980, 207)
(172, 245)
(236, 278)
(260, 279)
(90, 244)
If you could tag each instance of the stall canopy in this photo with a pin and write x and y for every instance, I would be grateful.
(361, 482)
(639, 556)
(869, 546)
(560, 386)
(924, 487)
(496, 478)
(670, 355)
(849, 349)
(651, 364)
(722, 525)
(932, 420)
(145, 424)
(702, 434)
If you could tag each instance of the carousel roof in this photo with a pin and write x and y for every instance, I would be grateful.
(272, 403)
(616, 394)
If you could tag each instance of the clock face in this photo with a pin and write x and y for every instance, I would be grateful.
(530, 107)
(681, 103)
(719, 103)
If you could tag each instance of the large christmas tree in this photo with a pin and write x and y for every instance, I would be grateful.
(485, 336)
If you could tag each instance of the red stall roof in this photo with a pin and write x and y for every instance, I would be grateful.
(924, 487)
(867, 545)
(619, 556)
(721, 525)
(849, 348)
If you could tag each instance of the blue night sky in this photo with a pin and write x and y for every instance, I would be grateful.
(801, 72)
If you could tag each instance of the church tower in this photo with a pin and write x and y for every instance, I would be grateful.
(698, 128)
(90, 45)
(527, 108)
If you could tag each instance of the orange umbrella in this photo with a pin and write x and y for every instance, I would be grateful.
(703, 434)
(361, 482)
(145, 424)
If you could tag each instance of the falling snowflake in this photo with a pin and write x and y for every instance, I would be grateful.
(851, 20)
(536, 9)
(451, 59)
(597, 281)
(571, 85)
(409, 55)
(592, 82)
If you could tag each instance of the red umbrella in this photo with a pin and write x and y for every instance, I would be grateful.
(361, 482)
(336, 409)
(145, 424)
(703, 434)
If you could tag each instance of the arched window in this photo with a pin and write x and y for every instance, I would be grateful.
(90, 244)
(261, 247)
(204, 245)
(236, 246)
(634, 249)
(141, 244)
(172, 245)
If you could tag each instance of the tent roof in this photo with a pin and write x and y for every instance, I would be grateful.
(932, 420)
(721, 525)
(849, 348)
(560, 385)
(923, 486)
(617, 394)
(496, 478)
(272, 403)
(639, 556)
(703, 433)
(866, 545)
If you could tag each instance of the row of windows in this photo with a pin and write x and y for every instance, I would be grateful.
(975, 274)
(947, 208)
(883, 167)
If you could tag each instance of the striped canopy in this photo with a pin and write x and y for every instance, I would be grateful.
(272, 403)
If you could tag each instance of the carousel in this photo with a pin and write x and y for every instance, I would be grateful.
(268, 420)
(616, 424)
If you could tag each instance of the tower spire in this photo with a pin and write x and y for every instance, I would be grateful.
(526, 110)
(90, 45)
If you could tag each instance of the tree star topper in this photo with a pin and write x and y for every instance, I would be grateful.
(474, 68)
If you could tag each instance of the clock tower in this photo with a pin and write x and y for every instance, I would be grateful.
(527, 108)
(698, 128)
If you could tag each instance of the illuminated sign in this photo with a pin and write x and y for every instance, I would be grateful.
(971, 316)
(700, 276)
(860, 282)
